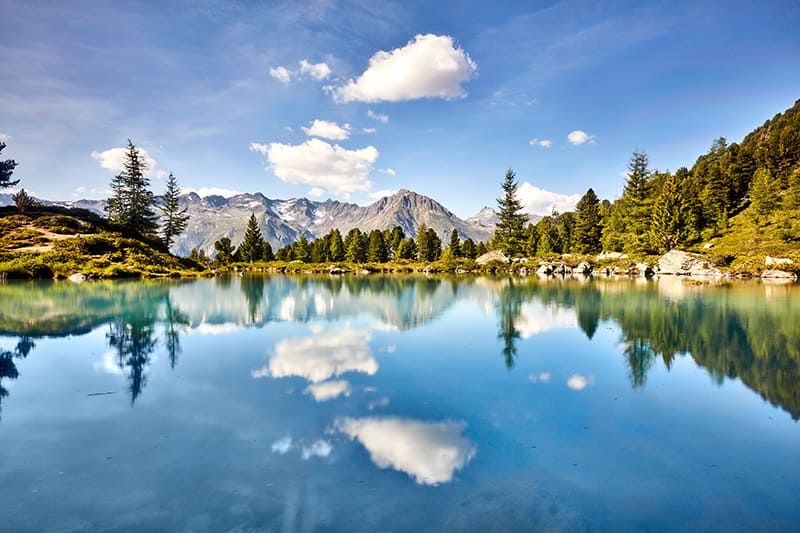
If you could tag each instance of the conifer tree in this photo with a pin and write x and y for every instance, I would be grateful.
(434, 245)
(174, 219)
(266, 251)
(397, 237)
(468, 249)
(407, 249)
(480, 249)
(763, 194)
(377, 251)
(6, 170)
(22, 200)
(636, 204)
(131, 203)
(792, 200)
(588, 228)
(356, 249)
(455, 244)
(337, 250)
(669, 225)
(422, 242)
(252, 247)
(510, 233)
(301, 250)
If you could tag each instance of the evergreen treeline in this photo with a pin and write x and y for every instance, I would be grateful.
(376, 246)
(661, 210)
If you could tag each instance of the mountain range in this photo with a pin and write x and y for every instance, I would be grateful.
(284, 221)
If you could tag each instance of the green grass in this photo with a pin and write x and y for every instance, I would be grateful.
(744, 246)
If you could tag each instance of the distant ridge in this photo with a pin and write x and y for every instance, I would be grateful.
(284, 221)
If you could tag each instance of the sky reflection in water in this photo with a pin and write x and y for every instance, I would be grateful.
(397, 403)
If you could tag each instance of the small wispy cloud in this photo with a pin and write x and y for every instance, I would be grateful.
(380, 117)
(579, 137)
(544, 143)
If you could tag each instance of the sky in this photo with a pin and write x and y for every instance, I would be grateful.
(355, 100)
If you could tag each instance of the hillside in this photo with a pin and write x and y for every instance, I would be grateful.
(58, 242)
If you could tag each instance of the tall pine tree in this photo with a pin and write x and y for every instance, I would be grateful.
(6, 170)
(455, 244)
(377, 251)
(588, 228)
(131, 203)
(252, 247)
(669, 227)
(174, 219)
(510, 233)
(636, 204)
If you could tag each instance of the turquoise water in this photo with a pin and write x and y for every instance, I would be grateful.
(399, 403)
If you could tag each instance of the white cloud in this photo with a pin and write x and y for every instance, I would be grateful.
(282, 446)
(327, 130)
(328, 390)
(429, 66)
(383, 401)
(390, 171)
(429, 452)
(319, 448)
(544, 143)
(579, 137)
(579, 382)
(380, 117)
(541, 202)
(281, 74)
(114, 159)
(544, 377)
(319, 164)
(321, 356)
(211, 191)
(316, 192)
(377, 195)
(318, 71)
(369, 130)
(535, 318)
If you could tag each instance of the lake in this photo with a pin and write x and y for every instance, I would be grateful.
(399, 403)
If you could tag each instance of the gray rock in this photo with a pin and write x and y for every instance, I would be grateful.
(778, 261)
(779, 274)
(584, 268)
(545, 270)
(611, 255)
(494, 255)
(680, 263)
(644, 270)
(77, 278)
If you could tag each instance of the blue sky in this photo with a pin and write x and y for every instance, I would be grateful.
(216, 93)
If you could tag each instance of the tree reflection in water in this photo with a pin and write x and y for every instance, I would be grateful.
(8, 369)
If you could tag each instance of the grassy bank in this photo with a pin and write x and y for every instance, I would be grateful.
(57, 242)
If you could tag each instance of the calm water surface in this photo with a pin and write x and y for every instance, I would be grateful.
(399, 403)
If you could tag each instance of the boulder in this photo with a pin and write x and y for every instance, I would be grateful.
(708, 246)
(644, 270)
(77, 278)
(778, 274)
(584, 268)
(544, 270)
(494, 255)
(611, 255)
(778, 261)
(563, 269)
(680, 263)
